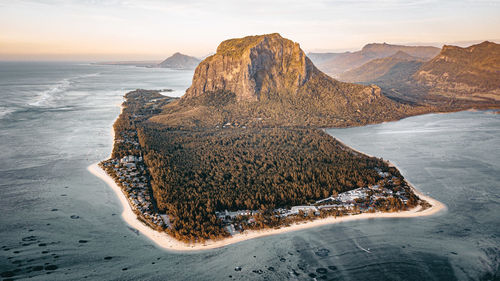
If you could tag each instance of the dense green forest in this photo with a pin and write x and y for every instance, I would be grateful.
(251, 168)
(195, 172)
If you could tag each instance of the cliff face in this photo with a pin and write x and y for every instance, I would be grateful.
(251, 67)
(267, 80)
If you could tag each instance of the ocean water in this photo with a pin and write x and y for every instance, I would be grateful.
(58, 222)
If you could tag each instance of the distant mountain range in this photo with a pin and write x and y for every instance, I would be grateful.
(269, 75)
(464, 76)
(180, 61)
(176, 61)
(335, 64)
(467, 73)
(397, 66)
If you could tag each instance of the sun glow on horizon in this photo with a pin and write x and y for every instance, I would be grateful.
(153, 29)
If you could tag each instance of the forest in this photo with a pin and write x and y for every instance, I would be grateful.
(195, 172)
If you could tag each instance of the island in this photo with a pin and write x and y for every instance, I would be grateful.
(176, 61)
(180, 61)
(244, 152)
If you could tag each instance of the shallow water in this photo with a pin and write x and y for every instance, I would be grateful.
(55, 120)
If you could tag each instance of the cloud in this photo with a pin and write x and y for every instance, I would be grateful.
(200, 25)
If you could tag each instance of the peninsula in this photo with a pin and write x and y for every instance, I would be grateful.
(242, 153)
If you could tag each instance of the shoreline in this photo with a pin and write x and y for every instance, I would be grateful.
(165, 241)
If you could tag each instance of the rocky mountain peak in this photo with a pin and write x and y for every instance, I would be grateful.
(252, 66)
(180, 61)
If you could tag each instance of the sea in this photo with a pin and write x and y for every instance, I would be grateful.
(59, 222)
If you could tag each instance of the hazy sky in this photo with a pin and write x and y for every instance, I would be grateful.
(154, 29)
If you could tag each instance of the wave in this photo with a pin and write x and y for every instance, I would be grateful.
(5, 111)
(88, 75)
(45, 98)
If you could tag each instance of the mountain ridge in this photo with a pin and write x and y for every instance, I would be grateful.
(456, 78)
(476, 66)
(267, 80)
(375, 70)
(342, 62)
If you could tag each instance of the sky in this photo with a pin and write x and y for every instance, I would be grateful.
(154, 29)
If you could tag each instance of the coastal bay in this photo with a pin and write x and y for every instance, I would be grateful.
(449, 157)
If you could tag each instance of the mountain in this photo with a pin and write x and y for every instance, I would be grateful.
(397, 66)
(457, 78)
(318, 58)
(246, 136)
(180, 61)
(342, 62)
(253, 66)
(383, 50)
(466, 73)
(268, 80)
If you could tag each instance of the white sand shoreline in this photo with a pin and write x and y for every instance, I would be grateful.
(167, 242)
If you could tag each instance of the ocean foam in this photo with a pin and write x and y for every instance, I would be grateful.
(45, 98)
(5, 111)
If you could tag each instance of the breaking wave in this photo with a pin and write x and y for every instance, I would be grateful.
(45, 98)
(4, 111)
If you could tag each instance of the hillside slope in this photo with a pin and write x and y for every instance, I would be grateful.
(457, 78)
(465, 73)
(267, 80)
(400, 64)
(343, 62)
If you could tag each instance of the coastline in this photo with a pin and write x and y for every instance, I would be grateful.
(167, 242)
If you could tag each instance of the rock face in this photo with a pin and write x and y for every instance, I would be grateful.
(463, 71)
(253, 66)
(268, 80)
(180, 61)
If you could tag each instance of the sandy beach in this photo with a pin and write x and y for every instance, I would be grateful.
(165, 241)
